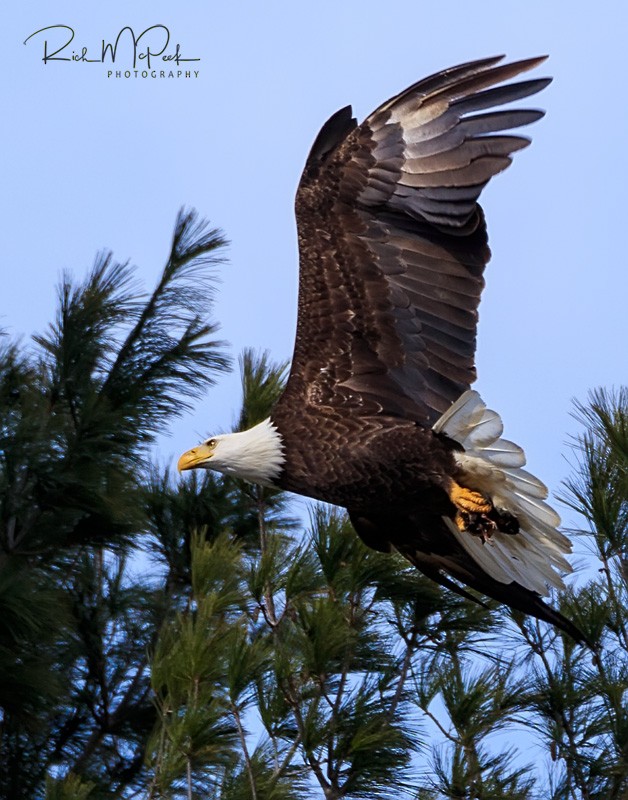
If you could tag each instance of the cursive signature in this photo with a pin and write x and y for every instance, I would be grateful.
(152, 43)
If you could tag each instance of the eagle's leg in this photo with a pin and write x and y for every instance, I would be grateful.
(472, 510)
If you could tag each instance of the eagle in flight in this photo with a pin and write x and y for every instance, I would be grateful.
(377, 413)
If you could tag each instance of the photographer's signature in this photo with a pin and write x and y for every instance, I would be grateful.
(152, 44)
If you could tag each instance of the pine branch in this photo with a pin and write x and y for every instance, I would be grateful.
(263, 381)
(268, 607)
(466, 739)
(573, 760)
(616, 714)
(166, 354)
(403, 674)
(292, 699)
(245, 751)
(290, 753)
(618, 607)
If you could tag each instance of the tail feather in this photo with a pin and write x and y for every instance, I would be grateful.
(526, 483)
(505, 454)
(534, 557)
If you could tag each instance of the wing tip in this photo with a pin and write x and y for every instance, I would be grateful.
(337, 127)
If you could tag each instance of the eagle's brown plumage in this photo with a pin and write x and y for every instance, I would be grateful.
(393, 244)
(393, 247)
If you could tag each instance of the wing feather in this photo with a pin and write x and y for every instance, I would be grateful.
(393, 243)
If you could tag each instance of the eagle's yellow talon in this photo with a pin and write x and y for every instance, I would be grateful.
(468, 501)
(472, 509)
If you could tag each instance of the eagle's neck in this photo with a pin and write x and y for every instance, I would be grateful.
(255, 455)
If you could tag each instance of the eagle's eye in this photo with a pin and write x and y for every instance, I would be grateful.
(211, 443)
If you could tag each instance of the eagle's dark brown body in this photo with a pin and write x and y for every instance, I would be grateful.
(356, 462)
(362, 465)
(377, 415)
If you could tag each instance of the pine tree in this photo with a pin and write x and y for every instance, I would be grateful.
(251, 657)
(78, 412)
(306, 666)
(360, 678)
(578, 702)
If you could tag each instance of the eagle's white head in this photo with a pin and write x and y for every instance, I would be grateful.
(255, 455)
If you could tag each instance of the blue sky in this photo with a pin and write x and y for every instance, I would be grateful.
(92, 162)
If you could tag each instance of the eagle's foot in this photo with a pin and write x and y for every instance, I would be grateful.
(472, 512)
(468, 501)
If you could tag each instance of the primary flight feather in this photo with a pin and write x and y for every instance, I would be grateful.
(377, 415)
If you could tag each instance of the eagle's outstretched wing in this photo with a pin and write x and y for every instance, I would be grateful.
(393, 243)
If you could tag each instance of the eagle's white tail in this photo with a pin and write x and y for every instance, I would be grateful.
(493, 466)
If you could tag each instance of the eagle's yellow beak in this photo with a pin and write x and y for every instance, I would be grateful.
(194, 457)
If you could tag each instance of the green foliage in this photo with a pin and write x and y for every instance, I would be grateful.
(576, 698)
(69, 788)
(262, 383)
(77, 411)
(310, 657)
(248, 659)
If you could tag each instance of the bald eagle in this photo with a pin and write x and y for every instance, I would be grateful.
(377, 415)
